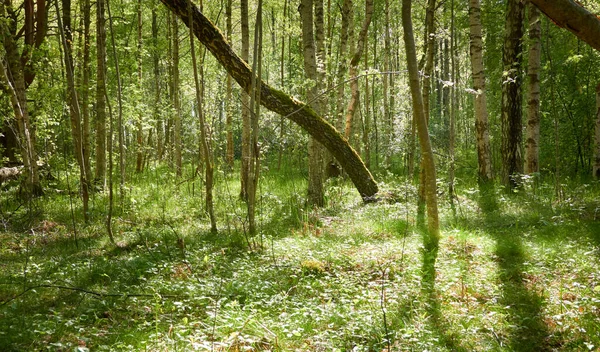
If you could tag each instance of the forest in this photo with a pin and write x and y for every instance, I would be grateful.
(299, 175)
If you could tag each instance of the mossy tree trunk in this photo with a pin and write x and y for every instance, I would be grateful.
(278, 101)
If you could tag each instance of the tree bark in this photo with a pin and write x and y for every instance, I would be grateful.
(140, 132)
(278, 101)
(175, 97)
(245, 103)
(597, 151)
(343, 62)
(100, 175)
(354, 62)
(74, 107)
(481, 113)
(533, 98)
(15, 84)
(229, 95)
(204, 140)
(316, 195)
(512, 115)
(572, 16)
(420, 119)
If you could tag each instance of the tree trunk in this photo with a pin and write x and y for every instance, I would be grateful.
(420, 119)
(140, 132)
(386, 131)
(74, 108)
(316, 195)
(343, 62)
(156, 68)
(15, 84)
(367, 117)
(100, 175)
(512, 115)
(571, 15)
(120, 104)
(453, 103)
(254, 156)
(533, 99)
(597, 151)
(84, 86)
(229, 95)
(282, 78)
(204, 140)
(481, 113)
(176, 104)
(245, 103)
(354, 62)
(278, 101)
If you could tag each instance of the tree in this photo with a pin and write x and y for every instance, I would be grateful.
(22, 74)
(533, 94)
(204, 139)
(74, 107)
(512, 115)
(228, 102)
(315, 164)
(359, 47)
(481, 113)
(100, 174)
(421, 122)
(139, 131)
(278, 101)
(175, 96)
(597, 139)
(245, 104)
(571, 15)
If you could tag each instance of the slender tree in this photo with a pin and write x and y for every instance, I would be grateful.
(229, 95)
(421, 122)
(139, 131)
(254, 153)
(100, 154)
(597, 139)
(66, 37)
(315, 181)
(175, 97)
(512, 115)
(204, 139)
(245, 104)
(481, 113)
(533, 93)
(359, 47)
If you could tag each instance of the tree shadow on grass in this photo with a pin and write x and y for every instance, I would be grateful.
(528, 331)
(439, 325)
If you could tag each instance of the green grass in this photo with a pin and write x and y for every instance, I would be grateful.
(524, 275)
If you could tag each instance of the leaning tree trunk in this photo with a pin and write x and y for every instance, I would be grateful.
(481, 113)
(278, 101)
(512, 115)
(533, 98)
(571, 15)
(420, 119)
(597, 152)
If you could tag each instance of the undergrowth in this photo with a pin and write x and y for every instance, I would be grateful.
(521, 276)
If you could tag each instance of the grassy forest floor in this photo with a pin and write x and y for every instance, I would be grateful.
(524, 276)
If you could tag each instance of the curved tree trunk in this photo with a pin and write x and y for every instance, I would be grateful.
(421, 122)
(278, 101)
